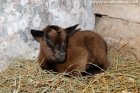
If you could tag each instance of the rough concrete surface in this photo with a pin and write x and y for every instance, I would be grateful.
(123, 9)
(118, 31)
(17, 17)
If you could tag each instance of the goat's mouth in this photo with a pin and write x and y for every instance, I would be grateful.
(61, 60)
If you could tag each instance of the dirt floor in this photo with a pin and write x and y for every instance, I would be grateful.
(123, 76)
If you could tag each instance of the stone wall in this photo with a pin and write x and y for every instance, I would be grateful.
(17, 17)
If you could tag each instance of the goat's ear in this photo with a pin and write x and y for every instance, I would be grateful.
(37, 34)
(70, 30)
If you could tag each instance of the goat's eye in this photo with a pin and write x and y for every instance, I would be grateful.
(63, 45)
(65, 41)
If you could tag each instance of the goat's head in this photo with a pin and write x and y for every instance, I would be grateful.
(53, 41)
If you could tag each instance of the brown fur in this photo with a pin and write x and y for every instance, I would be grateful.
(84, 49)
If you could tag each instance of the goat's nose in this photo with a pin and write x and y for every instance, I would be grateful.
(61, 57)
(62, 54)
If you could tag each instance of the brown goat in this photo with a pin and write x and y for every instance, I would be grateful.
(71, 50)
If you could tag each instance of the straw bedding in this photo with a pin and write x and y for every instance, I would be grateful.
(25, 76)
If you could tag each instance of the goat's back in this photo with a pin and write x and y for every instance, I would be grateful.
(81, 38)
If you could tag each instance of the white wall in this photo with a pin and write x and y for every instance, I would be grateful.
(17, 17)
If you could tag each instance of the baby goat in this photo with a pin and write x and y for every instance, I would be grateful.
(71, 50)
